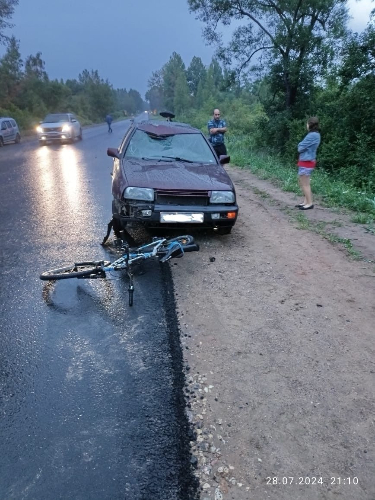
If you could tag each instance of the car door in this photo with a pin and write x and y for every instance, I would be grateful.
(15, 128)
(5, 132)
(11, 130)
(75, 125)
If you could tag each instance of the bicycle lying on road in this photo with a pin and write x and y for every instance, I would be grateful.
(161, 248)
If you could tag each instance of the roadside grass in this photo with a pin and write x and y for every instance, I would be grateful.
(331, 192)
(261, 193)
(320, 227)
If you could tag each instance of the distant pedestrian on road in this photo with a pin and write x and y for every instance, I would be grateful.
(307, 160)
(217, 128)
(108, 119)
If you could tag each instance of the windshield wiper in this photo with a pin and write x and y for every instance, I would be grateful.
(153, 158)
(177, 158)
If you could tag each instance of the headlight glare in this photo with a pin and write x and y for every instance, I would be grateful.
(39, 129)
(66, 128)
(136, 193)
(222, 197)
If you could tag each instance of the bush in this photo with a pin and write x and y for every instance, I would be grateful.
(24, 119)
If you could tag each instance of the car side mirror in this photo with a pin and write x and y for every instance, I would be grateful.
(224, 159)
(113, 152)
(74, 121)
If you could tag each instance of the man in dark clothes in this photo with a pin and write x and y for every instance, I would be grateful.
(217, 128)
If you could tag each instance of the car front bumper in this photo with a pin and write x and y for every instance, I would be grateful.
(153, 215)
(55, 136)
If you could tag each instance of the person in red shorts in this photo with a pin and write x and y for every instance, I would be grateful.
(307, 160)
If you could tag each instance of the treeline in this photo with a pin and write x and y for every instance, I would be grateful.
(330, 74)
(27, 93)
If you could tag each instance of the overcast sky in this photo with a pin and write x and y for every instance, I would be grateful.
(125, 40)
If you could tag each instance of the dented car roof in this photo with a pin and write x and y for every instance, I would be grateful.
(164, 128)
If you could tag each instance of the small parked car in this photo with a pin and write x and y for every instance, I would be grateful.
(166, 174)
(60, 127)
(9, 131)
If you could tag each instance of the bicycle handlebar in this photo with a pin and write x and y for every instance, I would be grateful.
(178, 251)
(194, 247)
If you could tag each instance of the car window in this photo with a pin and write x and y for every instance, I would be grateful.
(191, 147)
(8, 124)
(55, 118)
(13, 123)
(122, 146)
(3, 126)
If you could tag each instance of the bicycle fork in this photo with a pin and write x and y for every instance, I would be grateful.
(131, 287)
(130, 276)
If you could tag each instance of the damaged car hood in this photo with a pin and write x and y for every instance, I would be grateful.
(176, 175)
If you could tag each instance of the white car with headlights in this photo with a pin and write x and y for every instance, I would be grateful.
(60, 127)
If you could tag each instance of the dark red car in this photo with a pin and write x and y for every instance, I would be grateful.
(167, 174)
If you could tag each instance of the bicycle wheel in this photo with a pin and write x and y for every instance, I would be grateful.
(78, 270)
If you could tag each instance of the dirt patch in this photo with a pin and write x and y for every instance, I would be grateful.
(278, 329)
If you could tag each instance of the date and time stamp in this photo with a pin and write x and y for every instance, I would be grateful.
(312, 481)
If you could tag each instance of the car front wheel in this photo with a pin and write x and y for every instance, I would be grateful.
(118, 226)
(80, 134)
(18, 139)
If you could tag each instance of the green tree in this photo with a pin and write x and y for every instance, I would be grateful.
(10, 72)
(210, 90)
(296, 39)
(359, 54)
(155, 92)
(57, 96)
(99, 94)
(182, 98)
(6, 12)
(34, 87)
(347, 106)
(137, 101)
(171, 71)
(199, 98)
(123, 101)
(35, 68)
(195, 74)
(154, 96)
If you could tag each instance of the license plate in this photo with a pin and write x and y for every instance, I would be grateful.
(195, 218)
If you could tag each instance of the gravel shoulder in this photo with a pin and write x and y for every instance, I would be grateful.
(278, 337)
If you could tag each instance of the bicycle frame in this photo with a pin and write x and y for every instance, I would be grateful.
(125, 262)
(128, 259)
(162, 248)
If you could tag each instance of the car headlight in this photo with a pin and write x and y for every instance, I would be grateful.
(39, 129)
(66, 128)
(136, 193)
(222, 197)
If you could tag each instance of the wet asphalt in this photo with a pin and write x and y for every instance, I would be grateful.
(91, 390)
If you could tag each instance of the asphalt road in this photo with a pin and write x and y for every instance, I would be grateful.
(91, 390)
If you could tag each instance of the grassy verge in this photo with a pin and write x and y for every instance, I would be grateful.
(322, 228)
(332, 192)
